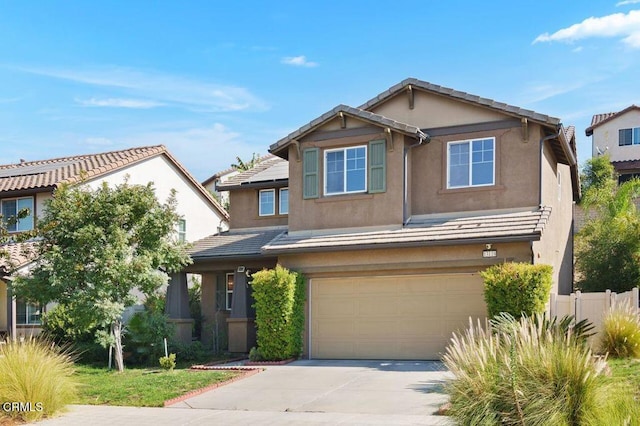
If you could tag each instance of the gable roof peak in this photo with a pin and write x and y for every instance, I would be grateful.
(599, 119)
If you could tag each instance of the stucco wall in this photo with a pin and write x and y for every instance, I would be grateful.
(3, 307)
(349, 210)
(516, 171)
(244, 210)
(431, 110)
(201, 219)
(605, 137)
(556, 246)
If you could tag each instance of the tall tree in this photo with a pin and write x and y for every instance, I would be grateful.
(608, 246)
(597, 174)
(96, 247)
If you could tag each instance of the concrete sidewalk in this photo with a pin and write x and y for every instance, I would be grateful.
(303, 392)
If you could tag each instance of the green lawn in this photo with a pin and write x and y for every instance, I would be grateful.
(141, 387)
(626, 369)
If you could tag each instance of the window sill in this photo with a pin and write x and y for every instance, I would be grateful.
(472, 189)
(344, 197)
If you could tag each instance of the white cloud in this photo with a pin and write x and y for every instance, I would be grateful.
(626, 2)
(625, 26)
(298, 61)
(159, 87)
(119, 103)
(577, 49)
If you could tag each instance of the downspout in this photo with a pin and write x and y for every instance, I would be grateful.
(542, 141)
(422, 139)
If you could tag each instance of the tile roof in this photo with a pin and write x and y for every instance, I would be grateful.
(599, 119)
(53, 172)
(368, 116)
(270, 170)
(234, 243)
(463, 96)
(437, 230)
(19, 255)
(230, 170)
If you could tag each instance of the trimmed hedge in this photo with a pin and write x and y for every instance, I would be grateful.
(279, 296)
(517, 288)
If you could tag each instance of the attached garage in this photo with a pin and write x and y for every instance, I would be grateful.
(391, 317)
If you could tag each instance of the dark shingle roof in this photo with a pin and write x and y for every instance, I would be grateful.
(239, 243)
(599, 119)
(367, 116)
(438, 230)
(463, 96)
(230, 170)
(53, 172)
(271, 170)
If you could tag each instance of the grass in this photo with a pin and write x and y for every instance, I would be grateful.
(141, 387)
(626, 370)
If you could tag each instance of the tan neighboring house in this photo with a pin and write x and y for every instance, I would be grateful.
(392, 210)
(618, 134)
(29, 184)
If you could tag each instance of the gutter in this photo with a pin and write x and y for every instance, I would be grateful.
(423, 138)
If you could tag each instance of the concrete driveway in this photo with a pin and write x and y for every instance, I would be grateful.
(303, 392)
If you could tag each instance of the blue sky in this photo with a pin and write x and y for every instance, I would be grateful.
(212, 80)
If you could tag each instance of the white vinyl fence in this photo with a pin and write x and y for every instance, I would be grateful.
(591, 306)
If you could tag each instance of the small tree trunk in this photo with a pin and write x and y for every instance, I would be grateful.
(116, 329)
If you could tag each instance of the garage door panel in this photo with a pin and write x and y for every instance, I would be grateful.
(401, 317)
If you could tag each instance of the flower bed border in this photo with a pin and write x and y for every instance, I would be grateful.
(282, 362)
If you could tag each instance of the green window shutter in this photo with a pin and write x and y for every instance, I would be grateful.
(310, 180)
(377, 166)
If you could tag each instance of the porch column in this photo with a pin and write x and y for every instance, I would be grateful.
(177, 307)
(242, 329)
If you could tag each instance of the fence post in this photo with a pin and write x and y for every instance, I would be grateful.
(578, 305)
(608, 300)
(634, 294)
(553, 308)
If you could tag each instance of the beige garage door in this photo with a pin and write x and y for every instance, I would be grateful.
(391, 317)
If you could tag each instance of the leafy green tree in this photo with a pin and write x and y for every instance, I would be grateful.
(608, 247)
(96, 247)
(597, 174)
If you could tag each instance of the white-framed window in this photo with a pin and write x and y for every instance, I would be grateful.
(471, 163)
(229, 289)
(283, 201)
(345, 170)
(629, 136)
(10, 209)
(27, 314)
(267, 202)
(182, 230)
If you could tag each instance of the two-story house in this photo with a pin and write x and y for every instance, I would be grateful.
(393, 208)
(29, 184)
(618, 134)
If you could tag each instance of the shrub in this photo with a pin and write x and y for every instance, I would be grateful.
(60, 326)
(255, 355)
(38, 373)
(145, 337)
(620, 335)
(516, 288)
(528, 372)
(194, 351)
(168, 362)
(279, 301)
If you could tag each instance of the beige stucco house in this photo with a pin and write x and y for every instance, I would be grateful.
(390, 210)
(29, 184)
(618, 134)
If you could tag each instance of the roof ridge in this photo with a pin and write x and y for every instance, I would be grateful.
(80, 156)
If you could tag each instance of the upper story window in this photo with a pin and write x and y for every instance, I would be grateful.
(471, 163)
(267, 206)
(629, 136)
(283, 205)
(182, 230)
(345, 170)
(10, 209)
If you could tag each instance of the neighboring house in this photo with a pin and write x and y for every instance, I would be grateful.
(392, 210)
(618, 134)
(213, 183)
(29, 184)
